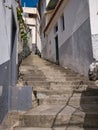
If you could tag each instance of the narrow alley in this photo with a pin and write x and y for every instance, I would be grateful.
(61, 99)
(49, 65)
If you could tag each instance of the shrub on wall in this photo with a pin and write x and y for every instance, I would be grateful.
(23, 37)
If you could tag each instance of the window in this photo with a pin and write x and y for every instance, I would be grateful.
(56, 28)
(30, 30)
(62, 23)
(31, 15)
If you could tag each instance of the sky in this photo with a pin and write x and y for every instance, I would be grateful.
(29, 3)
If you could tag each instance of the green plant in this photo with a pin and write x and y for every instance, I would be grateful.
(22, 29)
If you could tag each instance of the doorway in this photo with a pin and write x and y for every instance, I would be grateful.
(57, 49)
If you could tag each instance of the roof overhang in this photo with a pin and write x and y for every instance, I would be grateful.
(55, 11)
(52, 4)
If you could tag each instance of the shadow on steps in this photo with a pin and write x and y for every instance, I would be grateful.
(91, 108)
(86, 116)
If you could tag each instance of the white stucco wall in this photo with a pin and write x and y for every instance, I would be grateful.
(38, 34)
(4, 34)
(75, 13)
(47, 1)
(93, 7)
(77, 53)
(5, 28)
(29, 21)
(51, 46)
(8, 52)
(29, 10)
(33, 32)
(34, 25)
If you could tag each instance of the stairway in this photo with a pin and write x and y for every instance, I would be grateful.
(62, 99)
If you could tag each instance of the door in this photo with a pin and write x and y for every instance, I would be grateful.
(57, 49)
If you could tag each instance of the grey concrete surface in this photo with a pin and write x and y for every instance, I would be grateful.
(8, 52)
(76, 52)
(21, 98)
(65, 98)
(3, 103)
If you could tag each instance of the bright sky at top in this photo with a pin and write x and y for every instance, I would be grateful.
(29, 3)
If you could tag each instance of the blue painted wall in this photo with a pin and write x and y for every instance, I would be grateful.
(29, 3)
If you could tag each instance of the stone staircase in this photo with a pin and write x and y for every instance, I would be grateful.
(62, 99)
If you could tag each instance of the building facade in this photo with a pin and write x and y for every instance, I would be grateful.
(32, 19)
(69, 35)
(8, 52)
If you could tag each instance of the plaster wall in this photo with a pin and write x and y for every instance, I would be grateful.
(51, 52)
(47, 1)
(38, 35)
(34, 25)
(30, 21)
(93, 7)
(29, 10)
(76, 52)
(8, 52)
(43, 7)
(4, 36)
(75, 47)
(33, 32)
(26, 11)
(8, 36)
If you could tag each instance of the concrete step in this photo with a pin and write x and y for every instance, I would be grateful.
(60, 128)
(66, 99)
(29, 78)
(58, 88)
(50, 74)
(79, 92)
(52, 101)
(74, 101)
(52, 84)
(59, 115)
(55, 74)
(34, 103)
(60, 83)
(54, 90)
(29, 70)
(56, 80)
(33, 76)
(86, 120)
(51, 79)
